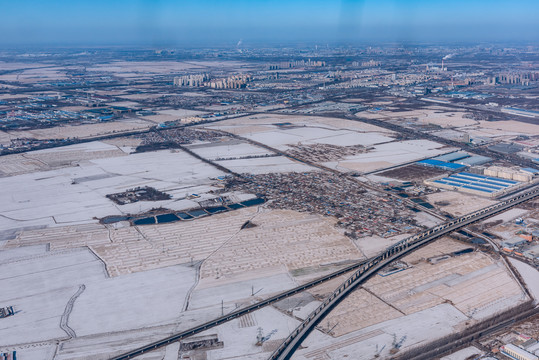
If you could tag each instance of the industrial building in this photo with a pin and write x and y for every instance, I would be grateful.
(517, 174)
(455, 161)
(458, 155)
(517, 353)
(441, 164)
(473, 183)
(512, 243)
(532, 253)
(505, 149)
(532, 171)
(474, 160)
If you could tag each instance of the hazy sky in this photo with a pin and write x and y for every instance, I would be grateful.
(162, 22)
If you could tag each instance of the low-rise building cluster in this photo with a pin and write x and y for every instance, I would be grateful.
(359, 211)
(178, 135)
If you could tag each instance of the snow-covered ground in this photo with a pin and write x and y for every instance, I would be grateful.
(508, 215)
(372, 245)
(419, 328)
(265, 165)
(133, 301)
(463, 354)
(530, 276)
(427, 219)
(38, 351)
(261, 287)
(39, 288)
(239, 336)
(280, 138)
(228, 150)
(180, 113)
(389, 154)
(76, 194)
(40, 285)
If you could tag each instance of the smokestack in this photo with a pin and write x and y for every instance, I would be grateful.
(442, 64)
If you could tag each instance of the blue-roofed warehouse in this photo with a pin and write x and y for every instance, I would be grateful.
(532, 171)
(452, 156)
(474, 160)
(441, 164)
(474, 183)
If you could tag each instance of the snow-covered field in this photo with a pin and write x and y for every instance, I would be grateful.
(132, 301)
(508, 215)
(180, 113)
(242, 290)
(306, 130)
(418, 328)
(39, 288)
(389, 154)
(265, 165)
(530, 276)
(226, 150)
(76, 194)
(63, 294)
(463, 354)
(280, 138)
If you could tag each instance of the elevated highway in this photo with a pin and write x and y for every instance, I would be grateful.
(237, 313)
(363, 270)
(288, 347)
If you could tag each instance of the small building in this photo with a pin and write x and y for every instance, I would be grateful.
(458, 155)
(503, 148)
(517, 353)
(532, 252)
(514, 242)
(474, 160)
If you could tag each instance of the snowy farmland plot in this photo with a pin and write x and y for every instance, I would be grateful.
(381, 150)
(390, 154)
(265, 165)
(76, 194)
(229, 150)
(279, 138)
(362, 345)
(279, 131)
(67, 294)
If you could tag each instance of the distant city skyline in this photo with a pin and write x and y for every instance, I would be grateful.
(166, 22)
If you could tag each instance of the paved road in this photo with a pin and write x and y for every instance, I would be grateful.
(365, 269)
(403, 247)
(481, 330)
(238, 313)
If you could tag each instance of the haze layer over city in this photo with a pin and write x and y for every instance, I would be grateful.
(305, 180)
